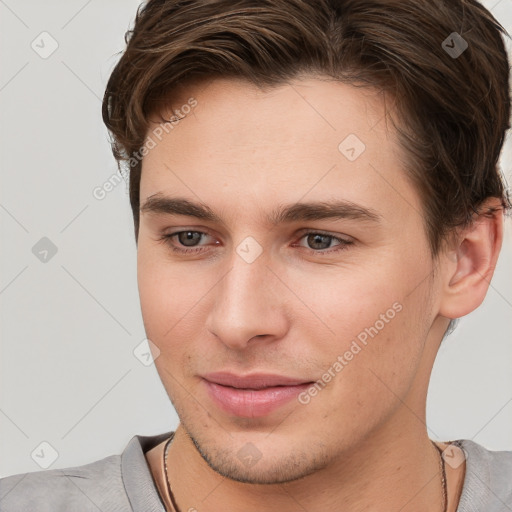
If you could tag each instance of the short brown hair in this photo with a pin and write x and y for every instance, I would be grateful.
(454, 109)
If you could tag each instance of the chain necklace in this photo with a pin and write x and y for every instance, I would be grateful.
(441, 466)
(171, 495)
(443, 476)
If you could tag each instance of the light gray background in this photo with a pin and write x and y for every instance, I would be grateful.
(69, 326)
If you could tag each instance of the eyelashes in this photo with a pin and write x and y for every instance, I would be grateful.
(312, 236)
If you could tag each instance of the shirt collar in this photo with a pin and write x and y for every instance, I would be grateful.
(476, 492)
(137, 479)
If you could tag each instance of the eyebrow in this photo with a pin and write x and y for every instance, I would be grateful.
(335, 209)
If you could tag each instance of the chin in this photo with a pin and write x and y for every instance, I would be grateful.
(262, 462)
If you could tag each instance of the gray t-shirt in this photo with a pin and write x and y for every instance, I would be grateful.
(124, 483)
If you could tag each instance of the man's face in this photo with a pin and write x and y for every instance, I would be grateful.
(348, 302)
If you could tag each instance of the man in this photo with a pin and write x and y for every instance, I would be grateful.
(316, 199)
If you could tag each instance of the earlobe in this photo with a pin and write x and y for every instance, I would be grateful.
(470, 265)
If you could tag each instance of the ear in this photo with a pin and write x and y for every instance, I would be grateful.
(468, 265)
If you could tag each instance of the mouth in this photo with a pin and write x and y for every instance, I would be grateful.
(253, 395)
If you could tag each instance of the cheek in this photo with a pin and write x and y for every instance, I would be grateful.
(166, 294)
(372, 328)
(175, 300)
(363, 382)
(346, 302)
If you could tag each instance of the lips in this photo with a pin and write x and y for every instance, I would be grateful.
(253, 395)
(254, 381)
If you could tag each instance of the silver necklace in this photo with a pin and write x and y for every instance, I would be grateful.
(171, 495)
(441, 465)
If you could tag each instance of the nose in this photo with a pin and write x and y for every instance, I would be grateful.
(248, 303)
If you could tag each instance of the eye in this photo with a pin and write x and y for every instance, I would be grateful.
(187, 238)
(318, 241)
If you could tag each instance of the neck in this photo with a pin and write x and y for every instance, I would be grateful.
(396, 468)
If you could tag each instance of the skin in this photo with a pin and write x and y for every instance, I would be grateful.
(362, 440)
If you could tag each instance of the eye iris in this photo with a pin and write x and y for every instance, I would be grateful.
(316, 238)
(189, 236)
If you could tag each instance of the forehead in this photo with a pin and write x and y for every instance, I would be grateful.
(311, 139)
(298, 110)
